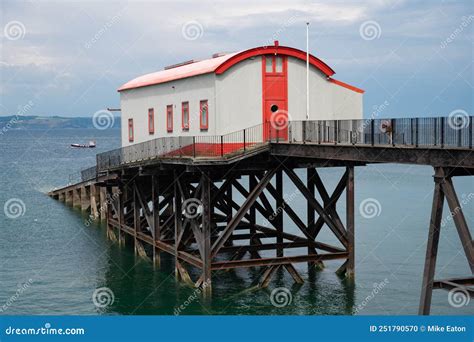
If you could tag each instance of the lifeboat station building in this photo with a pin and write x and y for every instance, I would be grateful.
(234, 91)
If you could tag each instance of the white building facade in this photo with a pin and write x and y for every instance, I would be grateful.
(231, 92)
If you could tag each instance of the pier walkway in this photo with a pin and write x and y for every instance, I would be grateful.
(176, 195)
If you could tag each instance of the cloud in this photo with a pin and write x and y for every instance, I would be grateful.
(85, 50)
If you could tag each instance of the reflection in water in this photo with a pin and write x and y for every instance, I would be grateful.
(67, 261)
(140, 289)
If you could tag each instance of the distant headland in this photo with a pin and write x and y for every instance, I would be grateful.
(49, 122)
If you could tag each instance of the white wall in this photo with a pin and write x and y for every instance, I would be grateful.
(239, 96)
(235, 101)
(328, 101)
(134, 103)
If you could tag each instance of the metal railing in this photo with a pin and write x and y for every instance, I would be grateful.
(210, 146)
(89, 173)
(440, 132)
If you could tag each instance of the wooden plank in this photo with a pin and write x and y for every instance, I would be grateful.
(277, 261)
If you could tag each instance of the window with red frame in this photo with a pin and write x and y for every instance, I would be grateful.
(185, 115)
(273, 64)
(203, 115)
(130, 130)
(169, 118)
(151, 121)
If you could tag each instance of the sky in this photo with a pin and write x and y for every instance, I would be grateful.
(67, 58)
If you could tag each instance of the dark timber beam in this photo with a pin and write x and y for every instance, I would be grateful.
(249, 201)
(350, 222)
(206, 233)
(459, 221)
(319, 209)
(276, 261)
(378, 154)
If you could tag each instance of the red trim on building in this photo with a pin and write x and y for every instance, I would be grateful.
(220, 64)
(130, 130)
(274, 50)
(151, 121)
(184, 123)
(345, 85)
(275, 92)
(203, 125)
(169, 118)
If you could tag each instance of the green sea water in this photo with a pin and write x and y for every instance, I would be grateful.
(51, 262)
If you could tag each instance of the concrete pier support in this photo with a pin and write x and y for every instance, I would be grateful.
(62, 196)
(69, 195)
(85, 198)
(76, 198)
(94, 201)
(103, 203)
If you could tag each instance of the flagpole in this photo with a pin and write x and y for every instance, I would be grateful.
(307, 71)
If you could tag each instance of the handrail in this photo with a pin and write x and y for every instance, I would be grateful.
(439, 132)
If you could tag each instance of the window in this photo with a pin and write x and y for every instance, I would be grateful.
(204, 115)
(151, 121)
(268, 64)
(130, 130)
(169, 118)
(273, 64)
(279, 64)
(185, 115)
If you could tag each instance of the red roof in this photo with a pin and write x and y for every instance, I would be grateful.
(221, 64)
(197, 68)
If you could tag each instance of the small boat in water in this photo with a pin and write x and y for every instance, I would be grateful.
(91, 144)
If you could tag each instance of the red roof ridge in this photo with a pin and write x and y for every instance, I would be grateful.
(221, 64)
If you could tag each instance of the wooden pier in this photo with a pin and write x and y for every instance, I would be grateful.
(178, 195)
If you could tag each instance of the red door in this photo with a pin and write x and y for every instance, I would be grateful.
(275, 97)
(276, 117)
